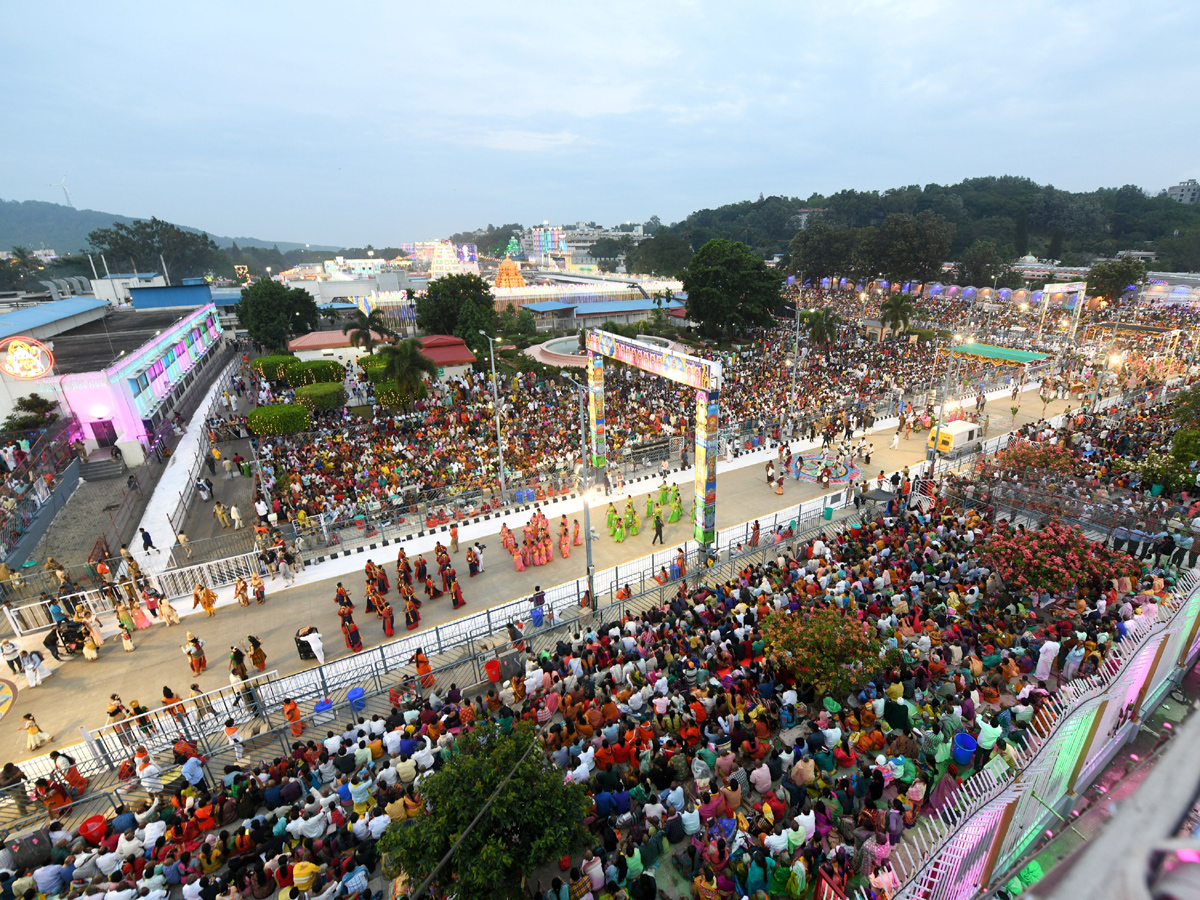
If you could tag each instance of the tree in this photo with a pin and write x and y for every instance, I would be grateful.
(896, 313)
(1186, 408)
(822, 326)
(1054, 253)
(728, 288)
(30, 412)
(1114, 278)
(186, 253)
(364, 326)
(272, 312)
(979, 264)
(665, 254)
(461, 305)
(526, 323)
(407, 368)
(821, 251)
(825, 650)
(611, 248)
(535, 818)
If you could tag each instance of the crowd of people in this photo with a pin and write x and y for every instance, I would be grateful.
(700, 748)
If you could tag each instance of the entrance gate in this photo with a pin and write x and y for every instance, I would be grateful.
(701, 374)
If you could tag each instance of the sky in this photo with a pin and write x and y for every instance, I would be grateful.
(363, 122)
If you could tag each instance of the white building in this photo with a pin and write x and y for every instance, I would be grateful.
(115, 288)
(1185, 192)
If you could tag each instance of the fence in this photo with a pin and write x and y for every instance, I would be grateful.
(1000, 816)
(50, 453)
(187, 496)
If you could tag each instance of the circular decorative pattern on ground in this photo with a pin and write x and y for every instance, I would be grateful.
(839, 472)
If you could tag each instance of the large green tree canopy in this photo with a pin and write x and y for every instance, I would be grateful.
(728, 288)
(461, 305)
(534, 819)
(272, 312)
(187, 254)
(666, 254)
(1115, 277)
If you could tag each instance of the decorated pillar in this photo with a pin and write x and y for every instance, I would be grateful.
(595, 382)
(704, 516)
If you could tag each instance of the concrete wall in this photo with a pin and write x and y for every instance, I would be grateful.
(189, 296)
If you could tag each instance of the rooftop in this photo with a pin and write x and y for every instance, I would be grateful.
(19, 321)
(92, 347)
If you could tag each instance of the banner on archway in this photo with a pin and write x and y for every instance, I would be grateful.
(702, 374)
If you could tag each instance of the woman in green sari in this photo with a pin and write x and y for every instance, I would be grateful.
(611, 520)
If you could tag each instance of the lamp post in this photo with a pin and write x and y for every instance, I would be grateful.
(496, 410)
(587, 516)
(937, 431)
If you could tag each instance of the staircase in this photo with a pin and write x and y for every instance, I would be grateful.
(99, 469)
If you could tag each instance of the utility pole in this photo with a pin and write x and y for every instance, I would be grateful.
(587, 516)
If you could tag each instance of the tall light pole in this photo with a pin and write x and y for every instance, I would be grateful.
(496, 410)
(587, 516)
(937, 432)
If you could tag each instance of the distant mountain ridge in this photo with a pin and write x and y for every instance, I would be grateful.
(34, 224)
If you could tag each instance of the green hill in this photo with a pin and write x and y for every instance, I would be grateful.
(34, 224)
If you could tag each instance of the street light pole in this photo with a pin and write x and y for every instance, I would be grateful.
(587, 516)
(796, 344)
(937, 432)
(496, 410)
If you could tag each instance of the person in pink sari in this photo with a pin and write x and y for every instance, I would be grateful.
(518, 562)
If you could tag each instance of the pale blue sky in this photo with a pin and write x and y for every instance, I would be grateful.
(348, 123)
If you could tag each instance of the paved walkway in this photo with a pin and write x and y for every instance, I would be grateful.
(158, 660)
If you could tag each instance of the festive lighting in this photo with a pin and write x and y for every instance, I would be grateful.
(25, 358)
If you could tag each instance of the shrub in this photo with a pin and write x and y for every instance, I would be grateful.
(275, 368)
(321, 396)
(1055, 558)
(279, 418)
(373, 367)
(827, 650)
(317, 371)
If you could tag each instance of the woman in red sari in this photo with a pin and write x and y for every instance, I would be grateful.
(388, 615)
(350, 631)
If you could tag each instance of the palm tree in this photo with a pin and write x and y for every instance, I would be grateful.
(823, 326)
(364, 327)
(406, 366)
(896, 314)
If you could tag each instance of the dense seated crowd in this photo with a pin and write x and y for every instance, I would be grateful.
(448, 442)
(699, 747)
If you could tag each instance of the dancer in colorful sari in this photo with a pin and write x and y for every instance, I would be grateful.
(388, 615)
(412, 618)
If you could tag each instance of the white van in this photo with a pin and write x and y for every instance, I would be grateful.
(954, 435)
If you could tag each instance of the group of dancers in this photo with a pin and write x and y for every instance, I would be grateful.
(411, 575)
(667, 508)
(537, 548)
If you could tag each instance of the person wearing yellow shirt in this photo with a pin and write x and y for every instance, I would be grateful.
(304, 873)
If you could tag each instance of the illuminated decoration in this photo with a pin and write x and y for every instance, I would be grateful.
(549, 240)
(448, 259)
(702, 374)
(514, 248)
(692, 371)
(596, 410)
(509, 275)
(242, 272)
(25, 358)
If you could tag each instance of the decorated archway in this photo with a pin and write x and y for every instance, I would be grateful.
(701, 374)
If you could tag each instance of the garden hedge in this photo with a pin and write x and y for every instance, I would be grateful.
(279, 418)
(321, 396)
(316, 371)
(275, 368)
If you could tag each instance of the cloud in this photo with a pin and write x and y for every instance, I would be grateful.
(527, 141)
